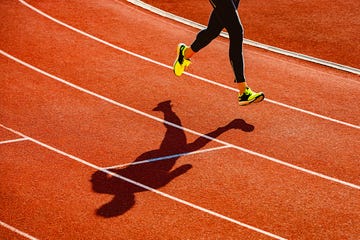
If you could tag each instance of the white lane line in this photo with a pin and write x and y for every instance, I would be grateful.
(15, 230)
(142, 185)
(166, 157)
(246, 41)
(13, 140)
(111, 101)
(170, 67)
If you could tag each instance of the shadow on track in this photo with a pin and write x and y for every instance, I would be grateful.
(154, 174)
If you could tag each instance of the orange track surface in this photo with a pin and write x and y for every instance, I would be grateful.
(265, 171)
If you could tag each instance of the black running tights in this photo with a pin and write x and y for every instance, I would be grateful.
(224, 15)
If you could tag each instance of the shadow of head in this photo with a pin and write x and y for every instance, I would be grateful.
(153, 174)
(163, 106)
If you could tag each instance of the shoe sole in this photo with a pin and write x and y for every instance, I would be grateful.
(255, 100)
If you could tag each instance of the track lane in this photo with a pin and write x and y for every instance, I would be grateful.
(260, 209)
(169, 122)
(105, 74)
(192, 229)
(276, 186)
(152, 100)
(280, 24)
(287, 80)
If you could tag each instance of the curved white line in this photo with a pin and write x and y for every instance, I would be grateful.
(170, 67)
(196, 25)
(142, 185)
(15, 230)
(272, 159)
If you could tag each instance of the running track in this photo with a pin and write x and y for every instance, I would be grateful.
(92, 147)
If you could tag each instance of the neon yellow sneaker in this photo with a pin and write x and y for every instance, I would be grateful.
(181, 63)
(250, 97)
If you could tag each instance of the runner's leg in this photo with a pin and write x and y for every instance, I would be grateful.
(226, 11)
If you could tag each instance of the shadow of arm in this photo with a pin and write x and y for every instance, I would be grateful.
(179, 171)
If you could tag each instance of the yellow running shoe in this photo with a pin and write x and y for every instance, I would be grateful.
(181, 63)
(250, 97)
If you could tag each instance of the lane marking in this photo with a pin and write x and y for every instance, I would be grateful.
(199, 26)
(15, 230)
(13, 140)
(170, 67)
(143, 186)
(166, 157)
(111, 101)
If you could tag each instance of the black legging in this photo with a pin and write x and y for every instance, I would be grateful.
(225, 15)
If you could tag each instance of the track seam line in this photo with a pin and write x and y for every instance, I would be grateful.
(167, 157)
(15, 230)
(170, 67)
(284, 52)
(111, 101)
(13, 140)
(142, 185)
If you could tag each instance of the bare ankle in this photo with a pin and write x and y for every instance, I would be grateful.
(188, 53)
(242, 86)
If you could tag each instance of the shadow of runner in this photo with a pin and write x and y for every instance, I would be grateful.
(153, 174)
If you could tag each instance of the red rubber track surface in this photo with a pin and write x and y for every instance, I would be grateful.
(268, 170)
